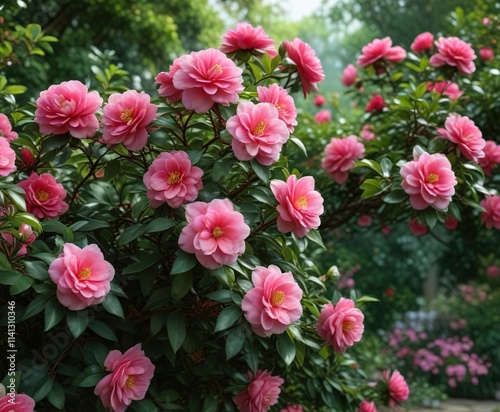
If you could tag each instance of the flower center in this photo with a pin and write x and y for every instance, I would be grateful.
(174, 178)
(42, 195)
(218, 68)
(432, 178)
(130, 382)
(277, 298)
(347, 326)
(301, 202)
(127, 116)
(84, 274)
(217, 232)
(259, 129)
(280, 107)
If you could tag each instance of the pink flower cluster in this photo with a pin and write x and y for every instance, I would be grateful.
(491, 157)
(257, 132)
(447, 88)
(279, 98)
(397, 387)
(125, 119)
(245, 37)
(454, 52)
(274, 301)
(376, 104)
(202, 79)
(349, 75)
(23, 403)
(422, 42)
(491, 215)
(299, 205)
(465, 134)
(429, 180)
(128, 380)
(341, 325)
(367, 133)
(171, 179)
(82, 276)
(323, 116)
(340, 156)
(308, 65)
(366, 406)
(319, 100)
(381, 49)
(7, 157)
(486, 54)
(261, 393)
(417, 227)
(68, 108)
(44, 196)
(215, 233)
(6, 128)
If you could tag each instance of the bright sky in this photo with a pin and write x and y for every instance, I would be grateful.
(300, 8)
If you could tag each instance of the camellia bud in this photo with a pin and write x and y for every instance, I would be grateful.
(333, 273)
(28, 159)
(25, 231)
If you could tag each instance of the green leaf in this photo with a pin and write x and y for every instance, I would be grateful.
(131, 233)
(366, 299)
(314, 236)
(54, 312)
(386, 166)
(430, 217)
(30, 220)
(286, 348)
(224, 275)
(181, 285)
(221, 296)
(4, 264)
(90, 376)
(37, 270)
(160, 224)
(227, 318)
(395, 196)
(176, 330)
(22, 283)
(77, 321)
(183, 262)
(140, 266)
(263, 172)
(234, 342)
(157, 322)
(370, 187)
(89, 225)
(221, 169)
(102, 330)
(113, 305)
(299, 144)
(36, 305)
(56, 396)
(372, 164)
(43, 390)
(54, 226)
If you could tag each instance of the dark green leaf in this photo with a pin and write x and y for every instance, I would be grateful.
(113, 305)
(181, 285)
(234, 342)
(56, 395)
(227, 318)
(396, 196)
(263, 172)
(102, 330)
(176, 329)
(77, 321)
(183, 262)
(286, 348)
(36, 270)
(131, 233)
(160, 224)
(54, 312)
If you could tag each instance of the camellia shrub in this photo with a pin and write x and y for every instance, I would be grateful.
(155, 249)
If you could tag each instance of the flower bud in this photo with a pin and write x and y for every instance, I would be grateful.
(25, 231)
(333, 273)
(28, 159)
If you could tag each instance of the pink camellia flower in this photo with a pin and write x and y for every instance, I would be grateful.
(245, 37)
(6, 128)
(323, 116)
(367, 132)
(82, 276)
(381, 49)
(44, 196)
(340, 325)
(319, 100)
(397, 387)
(486, 54)
(7, 158)
(340, 156)
(215, 233)
(493, 271)
(429, 181)
(262, 392)
(454, 52)
(274, 301)
(450, 223)
(171, 179)
(486, 21)
(491, 215)
(165, 79)
(447, 88)
(349, 75)
(491, 157)
(22, 403)
(299, 205)
(257, 132)
(207, 77)
(365, 221)
(283, 102)
(128, 380)
(465, 134)
(125, 119)
(68, 107)
(308, 65)
(376, 104)
(293, 408)
(366, 406)
(424, 41)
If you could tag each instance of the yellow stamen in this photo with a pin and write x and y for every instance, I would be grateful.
(130, 382)
(127, 116)
(280, 107)
(174, 178)
(347, 326)
(259, 129)
(84, 274)
(218, 68)
(432, 178)
(217, 232)
(277, 298)
(42, 195)
(301, 202)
